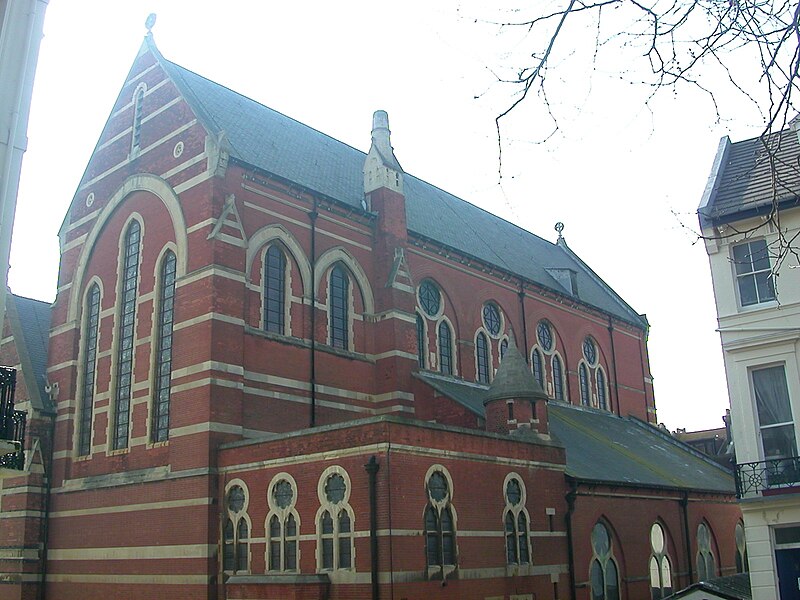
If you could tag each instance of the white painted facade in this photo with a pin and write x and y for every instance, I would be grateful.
(756, 336)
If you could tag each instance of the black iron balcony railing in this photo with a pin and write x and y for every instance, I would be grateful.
(12, 422)
(768, 476)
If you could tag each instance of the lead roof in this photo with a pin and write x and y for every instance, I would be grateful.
(263, 138)
(604, 448)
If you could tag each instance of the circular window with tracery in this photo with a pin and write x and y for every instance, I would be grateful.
(544, 333)
(236, 499)
(513, 492)
(437, 486)
(590, 351)
(491, 318)
(430, 298)
(335, 488)
(283, 493)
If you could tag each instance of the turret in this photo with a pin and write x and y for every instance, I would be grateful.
(515, 400)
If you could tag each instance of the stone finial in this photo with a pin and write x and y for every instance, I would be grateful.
(381, 168)
(150, 23)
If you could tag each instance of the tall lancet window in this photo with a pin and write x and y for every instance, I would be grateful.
(137, 119)
(339, 320)
(125, 336)
(92, 320)
(166, 318)
(274, 290)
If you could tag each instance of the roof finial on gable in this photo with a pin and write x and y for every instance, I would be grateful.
(559, 228)
(150, 22)
(381, 168)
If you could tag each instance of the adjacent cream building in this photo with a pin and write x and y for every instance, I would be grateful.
(750, 220)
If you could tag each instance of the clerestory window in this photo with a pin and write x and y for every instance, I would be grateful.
(90, 334)
(125, 336)
(159, 427)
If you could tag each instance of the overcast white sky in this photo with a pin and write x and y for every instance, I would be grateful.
(624, 179)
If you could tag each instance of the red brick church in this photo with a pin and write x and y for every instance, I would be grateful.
(279, 367)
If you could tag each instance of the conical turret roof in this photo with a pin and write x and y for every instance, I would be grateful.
(514, 379)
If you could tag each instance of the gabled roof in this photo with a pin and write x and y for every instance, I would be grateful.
(258, 136)
(30, 325)
(604, 448)
(748, 176)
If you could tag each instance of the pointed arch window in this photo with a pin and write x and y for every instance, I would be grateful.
(125, 335)
(558, 378)
(166, 318)
(516, 523)
(439, 522)
(235, 532)
(421, 341)
(274, 284)
(538, 370)
(602, 394)
(706, 564)
(482, 357)
(741, 549)
(339, 318)
(445, 348)
(583, 376)
(603, 573)
(137, 119)
(92, 320)
(282, 527)
(660, 566)
(335, 525)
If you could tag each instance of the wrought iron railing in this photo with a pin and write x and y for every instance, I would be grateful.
(768, 475)
(12, 422)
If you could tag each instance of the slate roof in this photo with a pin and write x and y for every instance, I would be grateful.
(274, 143)
(604, 448)
(733, 587)
(32, 331)
(741, 180)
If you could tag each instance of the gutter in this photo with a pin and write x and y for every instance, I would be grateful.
(570, 497)
(313, 336)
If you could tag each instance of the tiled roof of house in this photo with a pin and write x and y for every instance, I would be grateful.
(274, 143)
(604, 448)
(733, 587)
(33, 327)
(749, 176)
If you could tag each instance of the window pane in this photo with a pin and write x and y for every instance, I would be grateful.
(772, 396)
(420, 342)
(445, 349)
(339, 318)
(327, 553)
(778, 442)
(274, 290)
(612, 586)
(89, 367)
(558, 381)
(765, 286)
(482, 351)
(596, 576)
(747, 290)
(159, 428)
(538, 373)
(584, 381)
(291, 555)
(511, 548)
(327, 523)
(344, 552)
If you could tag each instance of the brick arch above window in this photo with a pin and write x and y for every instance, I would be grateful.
(136, 183)
(360, 279)
(262, 238)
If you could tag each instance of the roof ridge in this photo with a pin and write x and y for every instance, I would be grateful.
(676, 442)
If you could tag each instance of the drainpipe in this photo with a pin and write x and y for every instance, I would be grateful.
(614, 364)
(521, 294)
(684, 502)
(313, 364)
(372, 470)
(45, 528)
(570, 498)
